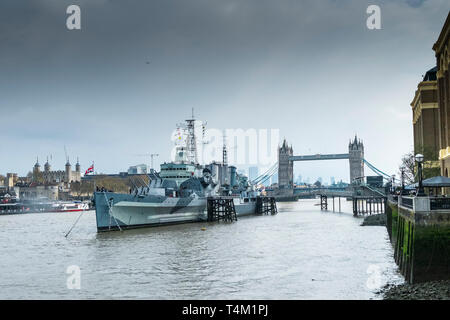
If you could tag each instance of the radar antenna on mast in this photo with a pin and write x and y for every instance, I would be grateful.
(191, 140)
(224, 150)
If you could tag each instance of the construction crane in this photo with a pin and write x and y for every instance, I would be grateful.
(65, 152)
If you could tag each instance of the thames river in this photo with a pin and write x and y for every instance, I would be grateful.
(300, 253)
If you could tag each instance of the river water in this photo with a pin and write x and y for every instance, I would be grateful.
(300, 253)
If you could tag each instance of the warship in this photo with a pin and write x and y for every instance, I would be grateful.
(177, 194)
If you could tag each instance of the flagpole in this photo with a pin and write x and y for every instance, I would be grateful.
(94, 174)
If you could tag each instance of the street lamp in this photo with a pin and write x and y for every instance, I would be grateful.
(402, 171)
(419, 160)
(393, 183)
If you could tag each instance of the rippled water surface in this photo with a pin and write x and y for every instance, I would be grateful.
(300, 253)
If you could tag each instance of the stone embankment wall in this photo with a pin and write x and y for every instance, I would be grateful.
(421, 242)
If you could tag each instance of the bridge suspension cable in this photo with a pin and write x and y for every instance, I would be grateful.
(262, 175)
(268, 176)
(378, 171)
(270, 172)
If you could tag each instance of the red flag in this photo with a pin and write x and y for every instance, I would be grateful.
(90, 169)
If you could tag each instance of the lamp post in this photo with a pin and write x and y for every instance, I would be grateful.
(419, 160)
(402, 171)
(393, 182)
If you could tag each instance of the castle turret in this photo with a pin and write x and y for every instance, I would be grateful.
(68, 171)
(356, 159)
(77, 166)
(36, 170)
(37, 166)
(47, 166)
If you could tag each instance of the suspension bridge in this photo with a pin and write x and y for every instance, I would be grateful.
(362, 194)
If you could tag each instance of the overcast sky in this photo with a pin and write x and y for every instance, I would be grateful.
(117, 87)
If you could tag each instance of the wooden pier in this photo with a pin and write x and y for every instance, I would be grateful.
(266, 205)
(368, 205)
(323, 202)
(221, 209)
(361, 204)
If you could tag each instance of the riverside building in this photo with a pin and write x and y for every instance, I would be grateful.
(425, 111)
(442, 52)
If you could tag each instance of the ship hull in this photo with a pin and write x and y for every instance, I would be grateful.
(122, 211)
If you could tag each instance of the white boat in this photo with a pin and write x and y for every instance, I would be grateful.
(69, 206)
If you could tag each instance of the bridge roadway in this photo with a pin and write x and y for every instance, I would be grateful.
(355, 191)
(320, 157)
(328, 193)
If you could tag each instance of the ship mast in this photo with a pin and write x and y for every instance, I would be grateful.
(191, 140)
(224, 150)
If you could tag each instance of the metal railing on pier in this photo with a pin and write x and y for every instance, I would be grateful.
(440, 203)
(431, 203)
(407, 202)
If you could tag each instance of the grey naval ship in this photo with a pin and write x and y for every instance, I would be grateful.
(178, 193)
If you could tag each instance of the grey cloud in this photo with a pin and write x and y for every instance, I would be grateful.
(312, 66)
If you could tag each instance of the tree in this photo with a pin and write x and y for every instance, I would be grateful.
(317, 184)
(408, 163)
(82, 188)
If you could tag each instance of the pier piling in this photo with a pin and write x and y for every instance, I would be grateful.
(221, 208)
(266, 205)
(368, 205)
(323, 202)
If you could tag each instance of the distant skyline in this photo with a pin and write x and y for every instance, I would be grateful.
(118, 87)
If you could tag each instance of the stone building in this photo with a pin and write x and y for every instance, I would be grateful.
(10, 180)
(58, 176)
(285, 166)
(356, 160)
(442, 52)
(425, 111)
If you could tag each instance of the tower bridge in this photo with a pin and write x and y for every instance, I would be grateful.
(286, 160)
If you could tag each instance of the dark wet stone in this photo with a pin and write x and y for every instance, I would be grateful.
(433, 290)
(375, 220)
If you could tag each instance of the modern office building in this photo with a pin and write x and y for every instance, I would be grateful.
(138, 169)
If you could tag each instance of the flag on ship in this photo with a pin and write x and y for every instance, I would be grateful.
(90, 169)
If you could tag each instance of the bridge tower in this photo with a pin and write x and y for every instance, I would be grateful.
(285, 167)
(356, 157)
